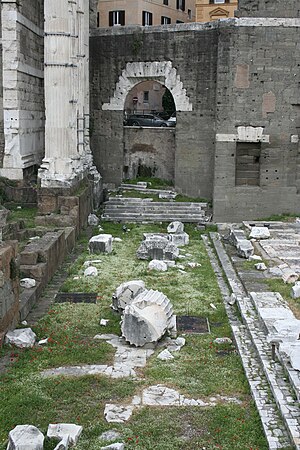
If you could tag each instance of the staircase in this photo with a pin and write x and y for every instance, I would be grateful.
(121, 209)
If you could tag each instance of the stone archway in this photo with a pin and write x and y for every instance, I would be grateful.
(136, 72)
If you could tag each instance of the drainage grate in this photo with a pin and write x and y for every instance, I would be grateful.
(75, 297)
(192, 324)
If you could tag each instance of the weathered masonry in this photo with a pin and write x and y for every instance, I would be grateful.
(236, 88)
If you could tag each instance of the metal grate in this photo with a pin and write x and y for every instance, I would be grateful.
(75, 297)
(192, 324)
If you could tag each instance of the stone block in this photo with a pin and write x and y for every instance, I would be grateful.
(25, 437)
(28, 257)
(245, 248)
(296, 290)
(63, 430)
(102, 243)
(22, 338)
(180, 239)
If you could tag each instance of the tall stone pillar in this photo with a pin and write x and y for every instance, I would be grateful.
(68, 158)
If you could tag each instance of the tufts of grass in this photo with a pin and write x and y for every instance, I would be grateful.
(26, 214)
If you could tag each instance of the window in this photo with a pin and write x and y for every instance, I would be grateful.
(181, 5)
(165, 20)
(247, 170)
(166, 2)
(179, 21)
(98, 19)
(147, 18)
(146, 96)
(190, 14)
(216, 2)
(116, 18)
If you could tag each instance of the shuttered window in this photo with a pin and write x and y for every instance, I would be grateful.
(181, 5)
(116, 18)
(147, 18)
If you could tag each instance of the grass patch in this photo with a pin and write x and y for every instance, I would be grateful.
(197, 371)
(278, 285)
(26, 214)
(285, 217)
(153, 183)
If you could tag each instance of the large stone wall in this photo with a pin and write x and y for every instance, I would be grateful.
(238, 144)
(271, 8)
(192, 52)
(23, 85)
(258, 87)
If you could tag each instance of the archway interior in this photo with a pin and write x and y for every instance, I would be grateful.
(150, 96)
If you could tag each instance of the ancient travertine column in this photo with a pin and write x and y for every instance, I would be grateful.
(67, 154)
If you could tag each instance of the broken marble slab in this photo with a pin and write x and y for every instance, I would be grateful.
(65, 430)
(150, 236)
(102, 243)
(92, 262)
(126, 293)
(260, 233)
(21, 337)
(287, 329)
(289, 276)
(223, 340)
(158, 265)
(25, 437)
(117, 414)
(255, 258)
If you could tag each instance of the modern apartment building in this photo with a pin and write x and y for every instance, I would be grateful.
(210, 10)
(144, 12)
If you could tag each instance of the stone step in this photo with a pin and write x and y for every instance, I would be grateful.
(283, 392)
(149, 204)
(153, 219)
(134, 187)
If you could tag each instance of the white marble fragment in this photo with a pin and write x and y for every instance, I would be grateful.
(104, 322)
(290, 276)
(255, 258)
(117, 414)
(296, 290)
(43, 341)
(158, 265)
(260, 266)
(64, 430)
(93, 220)
(223, 340)
(63, 444)
(22, 338)
(91, 272)
(27, 283)
(25, 437)
(115, 446)
(259, 233)
(165, 355)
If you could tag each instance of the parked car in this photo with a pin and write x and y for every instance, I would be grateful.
(172, 119)
(147, 120)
